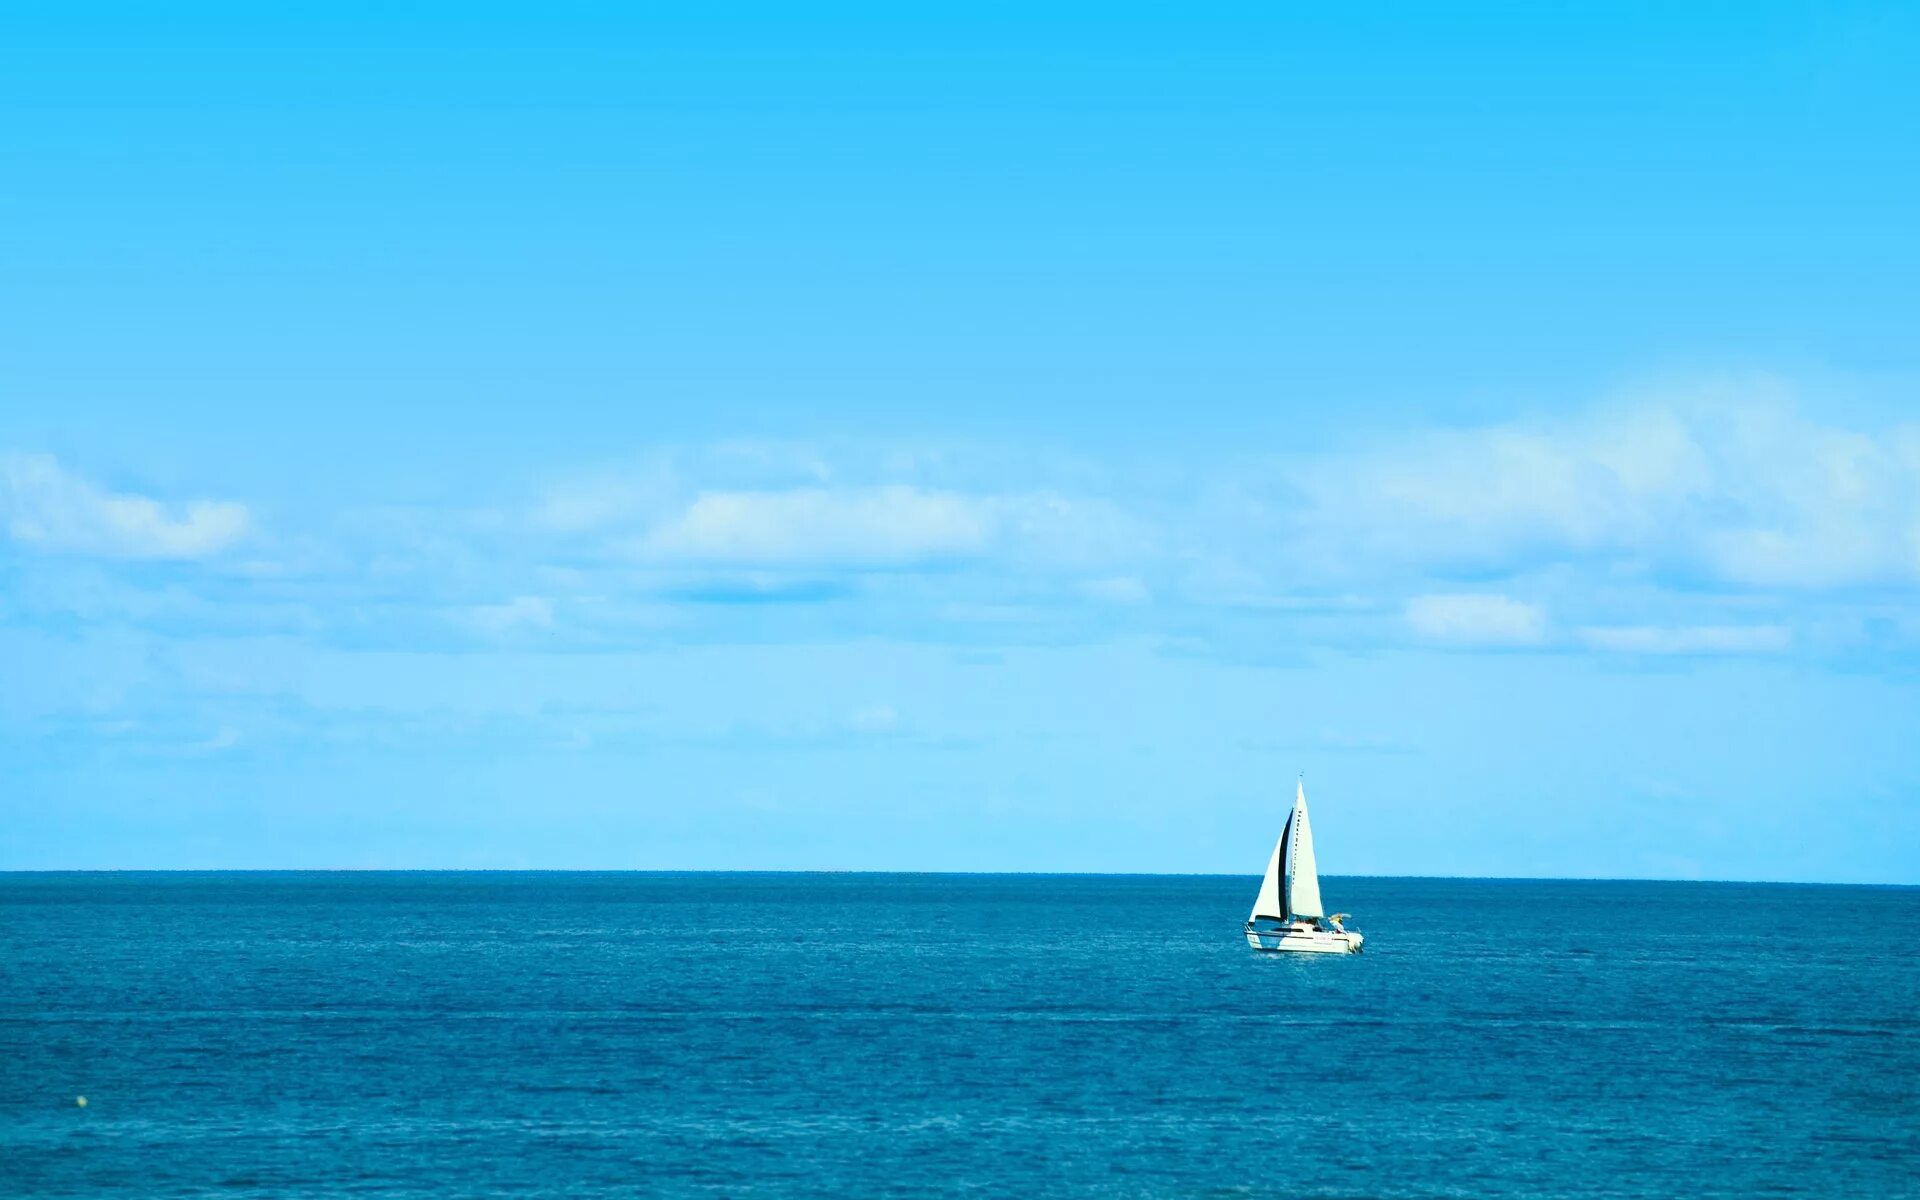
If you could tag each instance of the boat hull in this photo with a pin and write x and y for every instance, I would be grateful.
(1305, 941)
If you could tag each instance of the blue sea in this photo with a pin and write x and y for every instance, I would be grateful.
(581, 1035)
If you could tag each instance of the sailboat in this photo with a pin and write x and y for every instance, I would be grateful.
(1288, 915)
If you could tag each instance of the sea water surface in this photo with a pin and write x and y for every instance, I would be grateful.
(579, 1035)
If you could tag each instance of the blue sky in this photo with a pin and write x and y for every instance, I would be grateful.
(980, 437)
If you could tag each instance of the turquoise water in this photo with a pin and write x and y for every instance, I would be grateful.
(853, 1035)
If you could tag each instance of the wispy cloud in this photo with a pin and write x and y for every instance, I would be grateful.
(1118, 589)
(1697, 639)
(521, 612)
(1726, 484)
(1712, 520)
(878, 718)
(50, 508)
(1476, 620)
(224, 738)
(881, 526)
(759, 589)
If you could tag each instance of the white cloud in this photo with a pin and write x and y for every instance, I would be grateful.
(1728, 485)
(880, 718)
(1477, 620)
(580, 507)
(878, 526)
(1722, 494)
(1048, 530)
(652, 486)
(520, 612)
(1118, 589)
(46, 506)
(1692, 639)
(224, 738)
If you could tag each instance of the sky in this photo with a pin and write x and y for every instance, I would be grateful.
(961, 437)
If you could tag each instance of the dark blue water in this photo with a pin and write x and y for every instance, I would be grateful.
(853, 1035)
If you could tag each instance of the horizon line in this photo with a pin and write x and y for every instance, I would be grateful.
(4, 871)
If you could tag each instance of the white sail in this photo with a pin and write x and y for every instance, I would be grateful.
(1270, 903)
(1303, 892)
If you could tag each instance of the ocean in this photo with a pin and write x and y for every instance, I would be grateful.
(848, 1035)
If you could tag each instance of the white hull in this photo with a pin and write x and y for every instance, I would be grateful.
(1305, 941)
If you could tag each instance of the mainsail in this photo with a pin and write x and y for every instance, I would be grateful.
(1303, 894)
